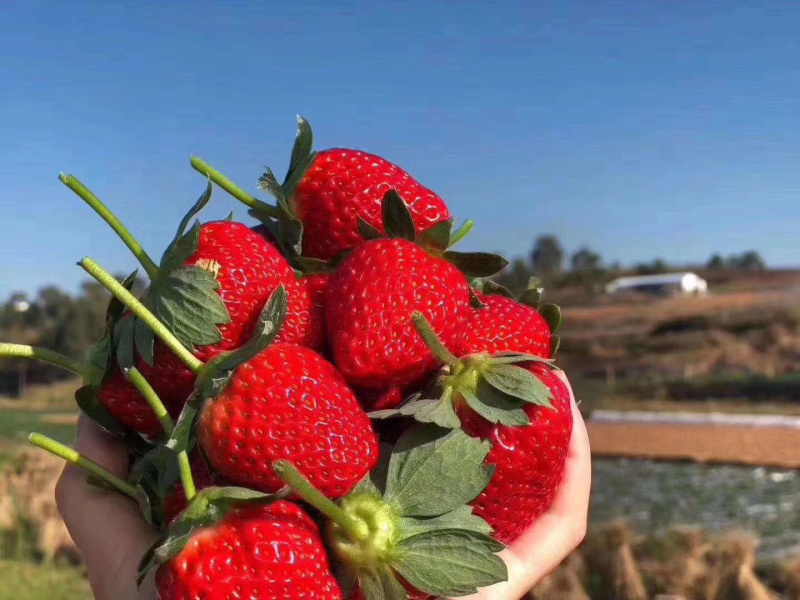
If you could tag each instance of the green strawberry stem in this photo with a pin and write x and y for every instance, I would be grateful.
(189, 489)
(133, 375)
(354, 526)
(88, 372)
(76, 458)
(93, 201)
(462, 232)
(434, 343)
(234, 190)
(140, 310)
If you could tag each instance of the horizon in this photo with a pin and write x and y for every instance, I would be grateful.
(641, 132)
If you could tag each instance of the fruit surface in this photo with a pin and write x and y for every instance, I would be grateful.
(504, 325)
(248, 269)
(127, 405)
(316, 286)
(288, 403)
(529, 460)
(372, 295)
(268, 552)
(342, 185)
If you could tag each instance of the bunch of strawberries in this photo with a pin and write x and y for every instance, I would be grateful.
(333, 404)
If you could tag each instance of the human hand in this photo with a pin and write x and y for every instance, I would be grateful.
(559, 531)
(107, 528)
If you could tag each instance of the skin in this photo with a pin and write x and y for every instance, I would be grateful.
(111, 535)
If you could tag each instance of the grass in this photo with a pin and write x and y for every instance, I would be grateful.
(15, 425)
(29, 581)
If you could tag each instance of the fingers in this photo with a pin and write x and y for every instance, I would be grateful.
(107, 528)
(559, 531)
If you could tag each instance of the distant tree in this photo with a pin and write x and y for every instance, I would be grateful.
(585, 260)
(716, 262)
(750, 261)
(547, 258)
(516, 276)
(659, 265)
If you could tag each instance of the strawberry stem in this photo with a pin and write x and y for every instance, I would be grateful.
(234, 190)
(357, 528)
(460, 233)
(93, 201)
(133, 375)
(76, 458)
(434, 343)
(189, 489)
(140, 310)
(89, 373)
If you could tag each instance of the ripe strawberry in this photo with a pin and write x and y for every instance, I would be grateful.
(259, 551)
(127, 405)
(504, 325)
(316, 285)
(375, 289)
(288, 402)
(247, 269)
(528, 460)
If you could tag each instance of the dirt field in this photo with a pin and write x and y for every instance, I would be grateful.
(762, 446)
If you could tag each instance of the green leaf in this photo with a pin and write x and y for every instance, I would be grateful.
(510, 358)
(438, 411)
(496, 407)
(474, 300)
(301, 151)
(397, 221)
(115, 307)
(460, 518)
(450, 562)
(186, 301)
(367, 231)
(180, 250)
(555, 344)
(495, 289)
(99, 355)
(436, 237)
(265, 330)
(476, 264)
(145, 340)
(181, 438)
(532, 297)
(125, 343)
(312, 265)
(193, 212)
(269, 183)
(552, 314)
(518, 382)
(381, 584)
(433, 471)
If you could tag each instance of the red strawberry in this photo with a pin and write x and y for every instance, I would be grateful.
(342, 185)
(374, 291)
(504, 325)
(288, 402)
(260, 551)
(248, 270)
(316, 286)
(127, 405)
(528, 460)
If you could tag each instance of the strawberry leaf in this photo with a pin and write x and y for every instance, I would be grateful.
(115, 307)
(90, 404)
(302, 155)
(460, 518)
(450, 562)
(532, 297)
(555, 344)
(367, 231)
(125, 343)
(397, 221)
(552, 314)
(438, 411)
(496, 407)
(436, 237)
(517, 382)
(381, 584)
(433, 471)
(374, 482)
(186, 301)
(476, 264)
(145, 340)
(474, 300)
(177, 246)
(495, 289)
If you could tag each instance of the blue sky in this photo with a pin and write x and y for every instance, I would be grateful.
(642, 129)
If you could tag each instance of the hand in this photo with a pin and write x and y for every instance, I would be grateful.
(559, 531)
(107, 528)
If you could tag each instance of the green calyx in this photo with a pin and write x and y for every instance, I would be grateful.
(494, 386)
(409, 519)
(436, 240)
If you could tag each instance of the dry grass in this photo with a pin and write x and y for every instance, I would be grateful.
(44, 397)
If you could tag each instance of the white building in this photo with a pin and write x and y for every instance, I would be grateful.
(663, 283)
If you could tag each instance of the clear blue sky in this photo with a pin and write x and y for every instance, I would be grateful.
(642, 129)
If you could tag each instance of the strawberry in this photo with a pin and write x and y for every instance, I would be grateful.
(259, 551)
(316, 285)
(376, 288)
(127, 405)
(510, 398)
(528, 460)
(288, 402)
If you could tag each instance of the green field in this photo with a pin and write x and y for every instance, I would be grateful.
(28, 581)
